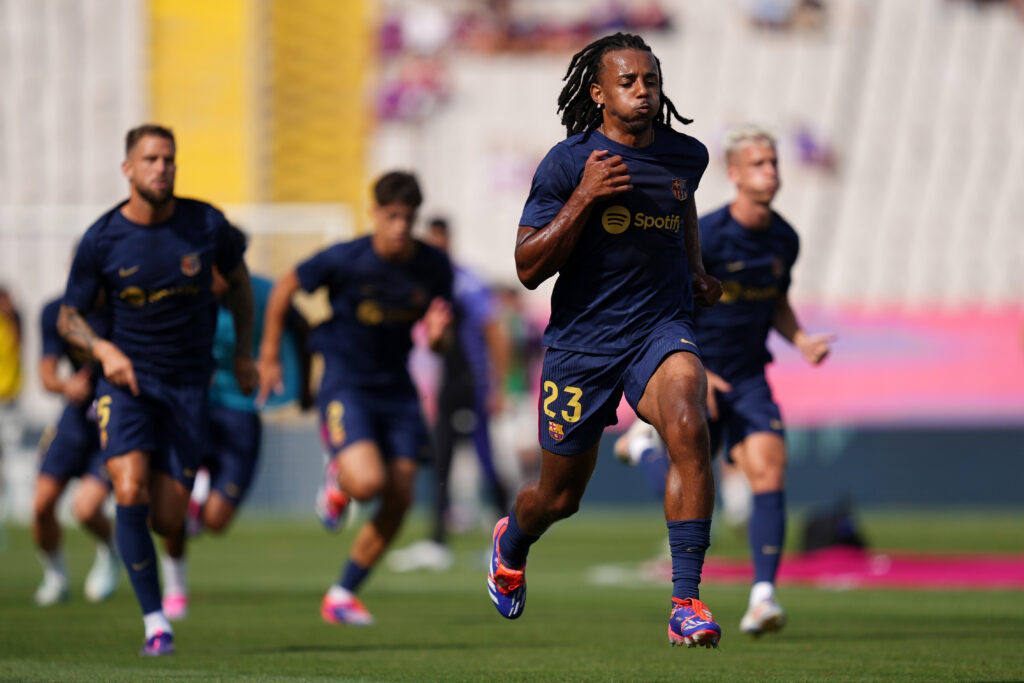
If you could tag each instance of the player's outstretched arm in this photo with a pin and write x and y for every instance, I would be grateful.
(540, 253)
(814, 348)
(117, 367)
(269, 365)
(238, 300)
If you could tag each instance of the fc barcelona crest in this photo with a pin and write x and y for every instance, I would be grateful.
(556, 431)
(190, 264)
(679, 189)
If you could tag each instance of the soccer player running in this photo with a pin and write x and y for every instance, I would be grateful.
(235, 429)
(152, 257)
(371, 422)
(611, 210)
(71, 450)
(473, 369)
(752, 249)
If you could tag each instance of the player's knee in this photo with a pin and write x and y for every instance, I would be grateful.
(686, 427)
(767, 479)
(365, 486)
(84, 510)
(44, 508)
(217, 524)
(217, 518)
(128, 491)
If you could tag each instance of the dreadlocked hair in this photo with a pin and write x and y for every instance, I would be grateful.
(578, 109)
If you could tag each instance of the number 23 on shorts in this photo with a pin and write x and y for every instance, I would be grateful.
(573, 407)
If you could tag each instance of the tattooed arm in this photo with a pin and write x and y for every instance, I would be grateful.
(117, 367)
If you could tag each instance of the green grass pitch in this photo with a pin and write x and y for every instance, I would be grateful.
(256, 593)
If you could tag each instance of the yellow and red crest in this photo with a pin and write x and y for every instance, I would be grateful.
(679, 189)
(556, 431)
(191, 264)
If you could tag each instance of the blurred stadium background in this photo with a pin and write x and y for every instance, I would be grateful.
(901, 143)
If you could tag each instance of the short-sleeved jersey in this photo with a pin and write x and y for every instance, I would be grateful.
(157, 281)
(628, 272)
(224, 390)
(55, 346)
(754, 268)
(374, 303)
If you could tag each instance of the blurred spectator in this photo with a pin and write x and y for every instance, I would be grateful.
(418, 88)
(505, 26)
(786, 14)
(517, 422)
(10, 376)
(812, 150)
(10, 368)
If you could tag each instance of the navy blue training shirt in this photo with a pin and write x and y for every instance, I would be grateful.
(374, 303)
(157, 279)
(629, 271)
(754, 267)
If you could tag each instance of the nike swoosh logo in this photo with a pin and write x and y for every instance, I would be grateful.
(770, 549)
(688, 342)
(139, 566)
(125, 272)
(734, 266)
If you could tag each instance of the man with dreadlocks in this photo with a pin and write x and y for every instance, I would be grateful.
(611, 211)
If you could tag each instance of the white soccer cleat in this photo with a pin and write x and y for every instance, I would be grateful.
(429, 555)
(101, 581)
(53, 590)
(175, 606)
(766, 616)
(634, 441)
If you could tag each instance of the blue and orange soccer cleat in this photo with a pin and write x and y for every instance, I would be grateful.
(158, 645)
(345, 610)
(691, 624)
(331, 501)
(506, 586)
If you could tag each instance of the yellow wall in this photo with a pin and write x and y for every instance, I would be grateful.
(320, 56)
(266, 97)
(201, 85)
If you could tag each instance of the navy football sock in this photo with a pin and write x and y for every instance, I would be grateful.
(136, 548)
(352, 576)
(514, 544)
(767, 534)
(688, 540)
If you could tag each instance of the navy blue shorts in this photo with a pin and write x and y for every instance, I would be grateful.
(390, 416)
(232, 450)
(747, 409)
(167, 421)
(73, 449)
(580, 392)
